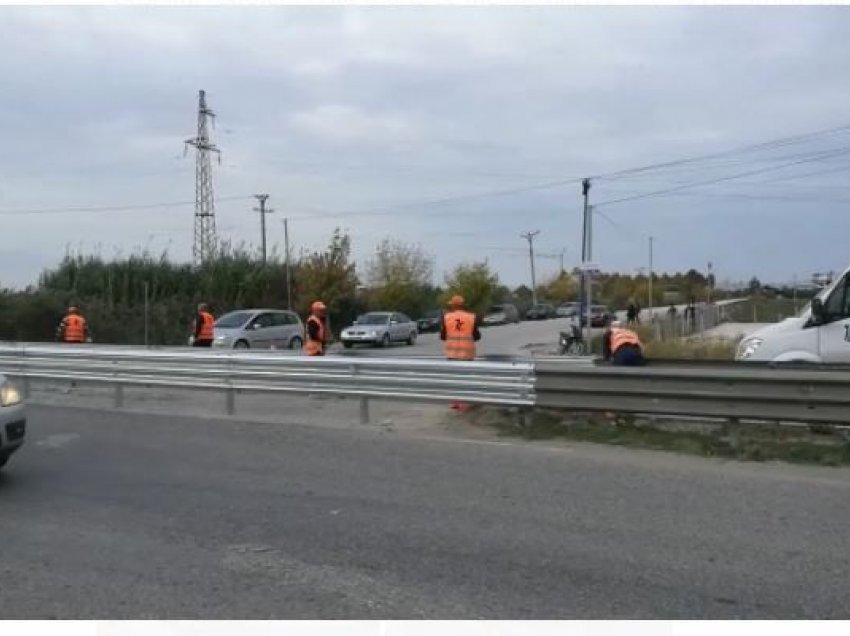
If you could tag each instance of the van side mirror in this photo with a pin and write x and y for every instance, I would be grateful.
(818, 311)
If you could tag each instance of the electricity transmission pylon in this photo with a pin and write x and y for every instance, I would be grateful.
(205, 242)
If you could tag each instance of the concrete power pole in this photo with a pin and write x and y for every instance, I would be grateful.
(286, 250)
(205, 242)
(529, 236)
(651, 239)
(262, 198)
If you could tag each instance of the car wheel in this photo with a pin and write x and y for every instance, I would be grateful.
(412, 339)
(575, 349)
(385, 341)
(241, 344)
(296, 343)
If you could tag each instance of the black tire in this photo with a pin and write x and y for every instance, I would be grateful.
(575, 349)
(241, 344)
(296, 343)
(385, 341)
(411, 340)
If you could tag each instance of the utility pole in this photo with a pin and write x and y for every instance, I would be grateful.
(585, 289)
(650, 279)
(262, 198)
(529, 236)
(710, 284)
(204, 245)
(286, 250)
(563, 254)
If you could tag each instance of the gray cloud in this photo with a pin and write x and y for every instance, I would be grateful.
(343, 108)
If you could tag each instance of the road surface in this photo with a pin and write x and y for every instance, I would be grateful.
(112, 515)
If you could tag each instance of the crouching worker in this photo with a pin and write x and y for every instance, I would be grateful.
(622, 347)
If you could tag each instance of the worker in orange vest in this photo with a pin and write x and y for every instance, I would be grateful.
(317, 330)
(622, 346)
(204, 327)
(73, 327)
(459, 331)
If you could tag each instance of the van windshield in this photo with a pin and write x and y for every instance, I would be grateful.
(373, 319)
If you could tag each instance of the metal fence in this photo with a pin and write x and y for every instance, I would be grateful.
(503, 383)
(799, 393)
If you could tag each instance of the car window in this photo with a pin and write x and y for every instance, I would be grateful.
(281, 319)
(262, 321)
(402, 318)
(373, 319)
(233, 320)
(837, 305)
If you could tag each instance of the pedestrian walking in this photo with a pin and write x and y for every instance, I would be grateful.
(204, 327)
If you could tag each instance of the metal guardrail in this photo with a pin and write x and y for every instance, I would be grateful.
(789, 393)
(744, 391)
(500, 383)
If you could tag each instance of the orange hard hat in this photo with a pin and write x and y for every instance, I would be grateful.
(456, 301)
(317, 306)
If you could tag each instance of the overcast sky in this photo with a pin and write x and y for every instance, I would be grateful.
(335, 109)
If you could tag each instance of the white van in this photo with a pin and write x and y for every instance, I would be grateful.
(820, 333)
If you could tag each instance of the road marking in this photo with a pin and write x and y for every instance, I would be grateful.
(58, 440)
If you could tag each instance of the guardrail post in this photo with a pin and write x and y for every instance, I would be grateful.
(230, 392)
(119, 396)
(364, 401)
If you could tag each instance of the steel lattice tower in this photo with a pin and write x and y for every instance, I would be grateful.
(205, 236)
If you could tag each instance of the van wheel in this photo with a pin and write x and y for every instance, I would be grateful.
(241, 344)
(296, 343)
(412, 338)
(385, 341)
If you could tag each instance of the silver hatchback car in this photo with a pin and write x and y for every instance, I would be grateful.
(259, 329)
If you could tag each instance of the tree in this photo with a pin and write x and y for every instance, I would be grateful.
(560, 288)
(475, 282)
(329, 276)
(754, 285)
(400, 278)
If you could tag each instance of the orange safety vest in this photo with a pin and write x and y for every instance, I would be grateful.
(75, 328)
(207, 331)
(620, 337)
(460, 344)
(315, 347)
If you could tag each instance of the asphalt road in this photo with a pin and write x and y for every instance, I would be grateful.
(116, 515)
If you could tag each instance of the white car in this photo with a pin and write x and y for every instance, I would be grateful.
(13, 421)
(380, 328)
(820, 333)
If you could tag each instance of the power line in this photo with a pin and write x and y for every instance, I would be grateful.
(718, 180)
(740, 150)
(114, 208)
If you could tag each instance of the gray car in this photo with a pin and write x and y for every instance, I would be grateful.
(380, 328)
(13, 421)
(259, 329)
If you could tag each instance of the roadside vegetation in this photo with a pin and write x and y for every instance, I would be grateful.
(111, 292)
(745, 442)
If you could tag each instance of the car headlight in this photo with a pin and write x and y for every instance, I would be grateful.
(373, 333)
(9, 395)
(221, 338)
(748, 347)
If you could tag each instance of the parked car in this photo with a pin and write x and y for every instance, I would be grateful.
(600, 315)
(430, 321)
(500, 315)
(259, 329)
(13, 421)
(540, 311)
(567, 310)
(380, 328)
